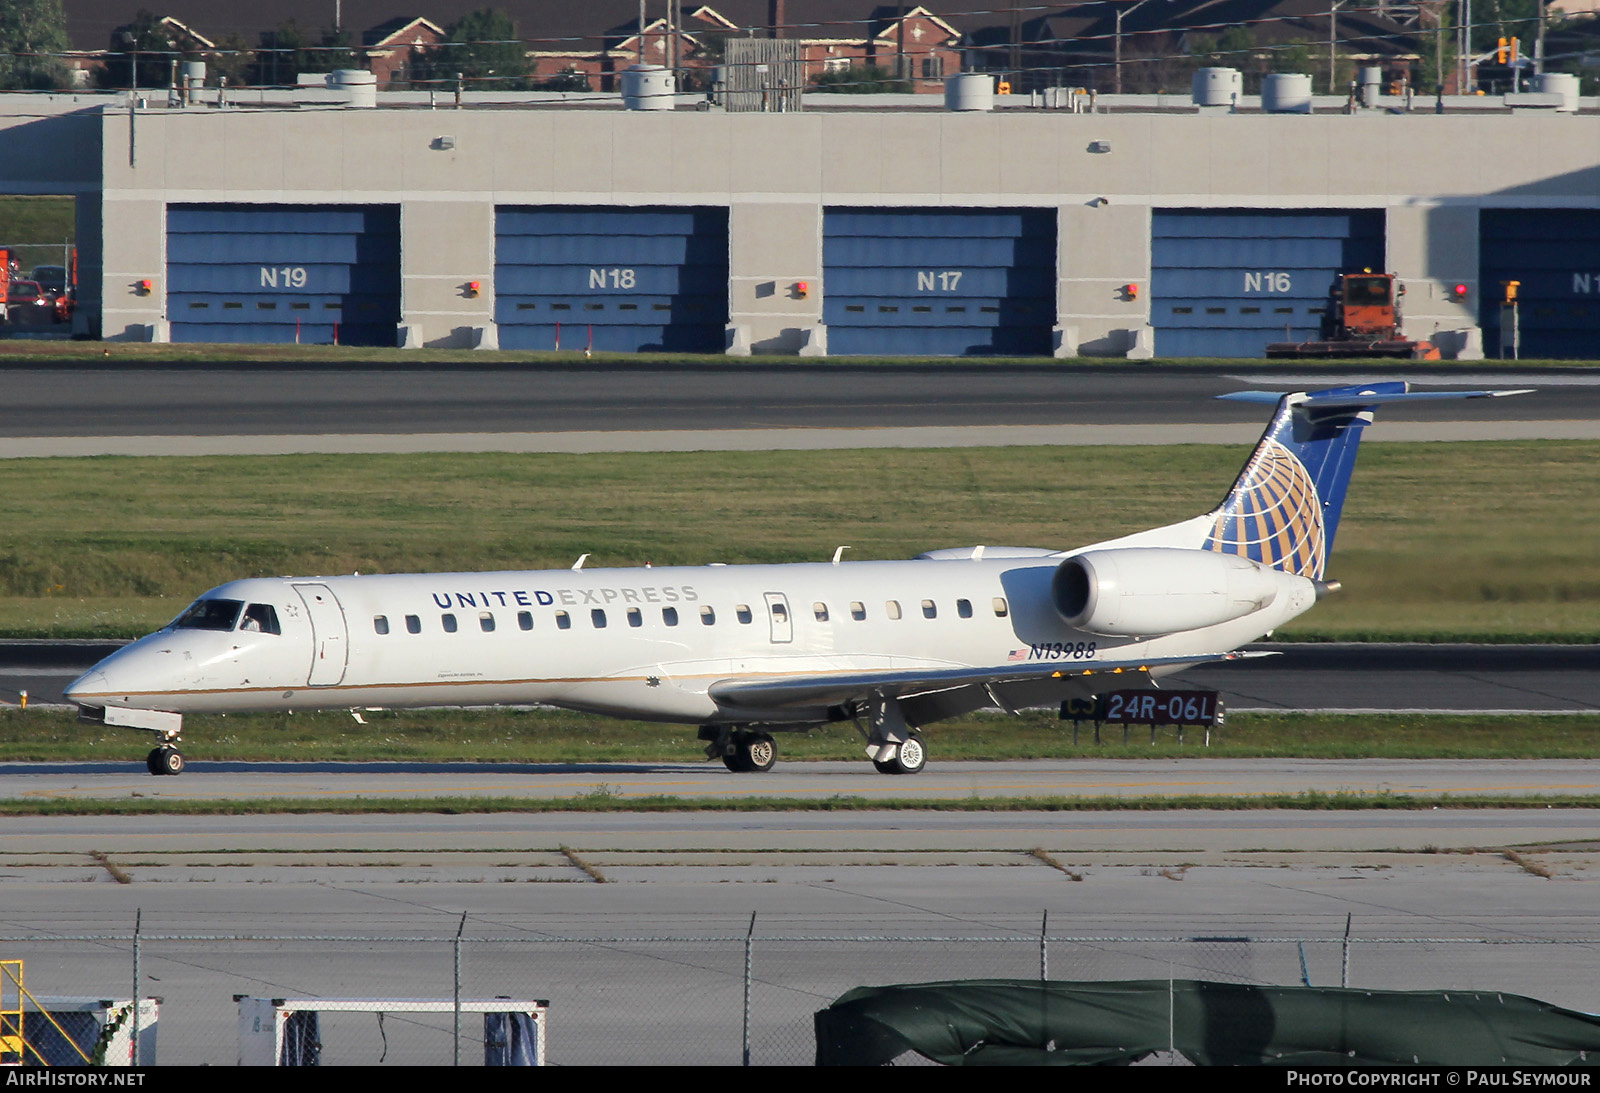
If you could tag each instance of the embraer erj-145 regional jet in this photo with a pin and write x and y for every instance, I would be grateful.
(749, 650)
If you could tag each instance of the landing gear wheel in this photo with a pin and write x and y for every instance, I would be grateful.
(753, 753)
(164, 760)
(760, 752)
(909, 758)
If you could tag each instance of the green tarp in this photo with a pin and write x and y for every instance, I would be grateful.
(1001, 1022)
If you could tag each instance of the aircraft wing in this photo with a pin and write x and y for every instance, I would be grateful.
(827, 689)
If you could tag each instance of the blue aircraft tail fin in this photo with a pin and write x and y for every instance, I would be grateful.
(1283, 509)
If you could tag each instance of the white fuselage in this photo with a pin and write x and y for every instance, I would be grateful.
(641, 642)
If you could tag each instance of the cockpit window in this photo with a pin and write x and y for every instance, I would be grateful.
(209, 615)
(262, 618)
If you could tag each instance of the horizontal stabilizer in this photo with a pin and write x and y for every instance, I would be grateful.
(1343, 399)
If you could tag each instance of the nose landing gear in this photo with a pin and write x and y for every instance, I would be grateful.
(164, 760)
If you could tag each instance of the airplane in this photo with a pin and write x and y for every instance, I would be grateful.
(746, 651)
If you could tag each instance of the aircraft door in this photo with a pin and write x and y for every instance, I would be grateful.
(329, 636)
(782, 621)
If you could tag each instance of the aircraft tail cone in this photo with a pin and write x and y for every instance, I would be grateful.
(1326, 588)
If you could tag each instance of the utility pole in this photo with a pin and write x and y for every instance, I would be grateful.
(1117, 63)
(1538, 43)
(1333, 38)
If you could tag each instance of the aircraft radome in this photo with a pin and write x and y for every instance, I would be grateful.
(746, 651)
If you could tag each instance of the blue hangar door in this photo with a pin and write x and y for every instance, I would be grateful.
(1555, 253)
(939, 282)
(278, 273)
(617, 279)
(1229, 282)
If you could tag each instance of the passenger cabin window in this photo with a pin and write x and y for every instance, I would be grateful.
(525, 619)
(742, 612)
(380, 624)
(820, 610)
(449, 622)
(563, 621)
(262, 618)
(708, 617)
(635, 617)
(669, 615)
(413, 624)
(892, 608)
(928, 610)
(1001, 610)
(209, 615)
(964, 608)
(597, 615)
(486, 622)
(858, 610)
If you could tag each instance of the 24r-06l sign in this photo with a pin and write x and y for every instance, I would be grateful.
(1147, 707)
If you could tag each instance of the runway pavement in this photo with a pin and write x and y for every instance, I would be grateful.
(273, 409)
(1236, 779)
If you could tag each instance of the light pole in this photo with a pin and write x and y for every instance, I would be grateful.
(1333, 39)
(1121, 14)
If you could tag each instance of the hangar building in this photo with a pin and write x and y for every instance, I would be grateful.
(1127, 227)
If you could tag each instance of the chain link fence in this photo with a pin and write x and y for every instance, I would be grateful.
(725, 1000)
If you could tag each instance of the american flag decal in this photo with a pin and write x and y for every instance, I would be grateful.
(1016, 655)
(1273, 516)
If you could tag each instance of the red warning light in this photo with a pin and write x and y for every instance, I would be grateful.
(473, 288)
(802, 289)
(144, 287)
(1130, 291)
(1459, 292)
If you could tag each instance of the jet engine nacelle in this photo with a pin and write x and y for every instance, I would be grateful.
(1146, 591)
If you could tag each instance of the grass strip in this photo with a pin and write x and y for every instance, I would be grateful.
(505, 736)
(589, 803)
(1435, 541)
(226, 355)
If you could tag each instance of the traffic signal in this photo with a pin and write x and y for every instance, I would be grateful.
(1511, 290)
(1500, 52)
(1004, 88)
(1515, 42)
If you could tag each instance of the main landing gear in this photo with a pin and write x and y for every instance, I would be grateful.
(164, 760)
(893, 744)
(905, 758)
(741, 751)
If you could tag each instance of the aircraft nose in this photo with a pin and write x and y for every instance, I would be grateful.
(92, 682)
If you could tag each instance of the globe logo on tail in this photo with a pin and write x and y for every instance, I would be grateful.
(1273, 515)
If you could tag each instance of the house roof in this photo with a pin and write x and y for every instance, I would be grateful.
(399, 32)
(549, 25)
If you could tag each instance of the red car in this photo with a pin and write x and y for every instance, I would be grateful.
(54, 281)
(29, 305)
